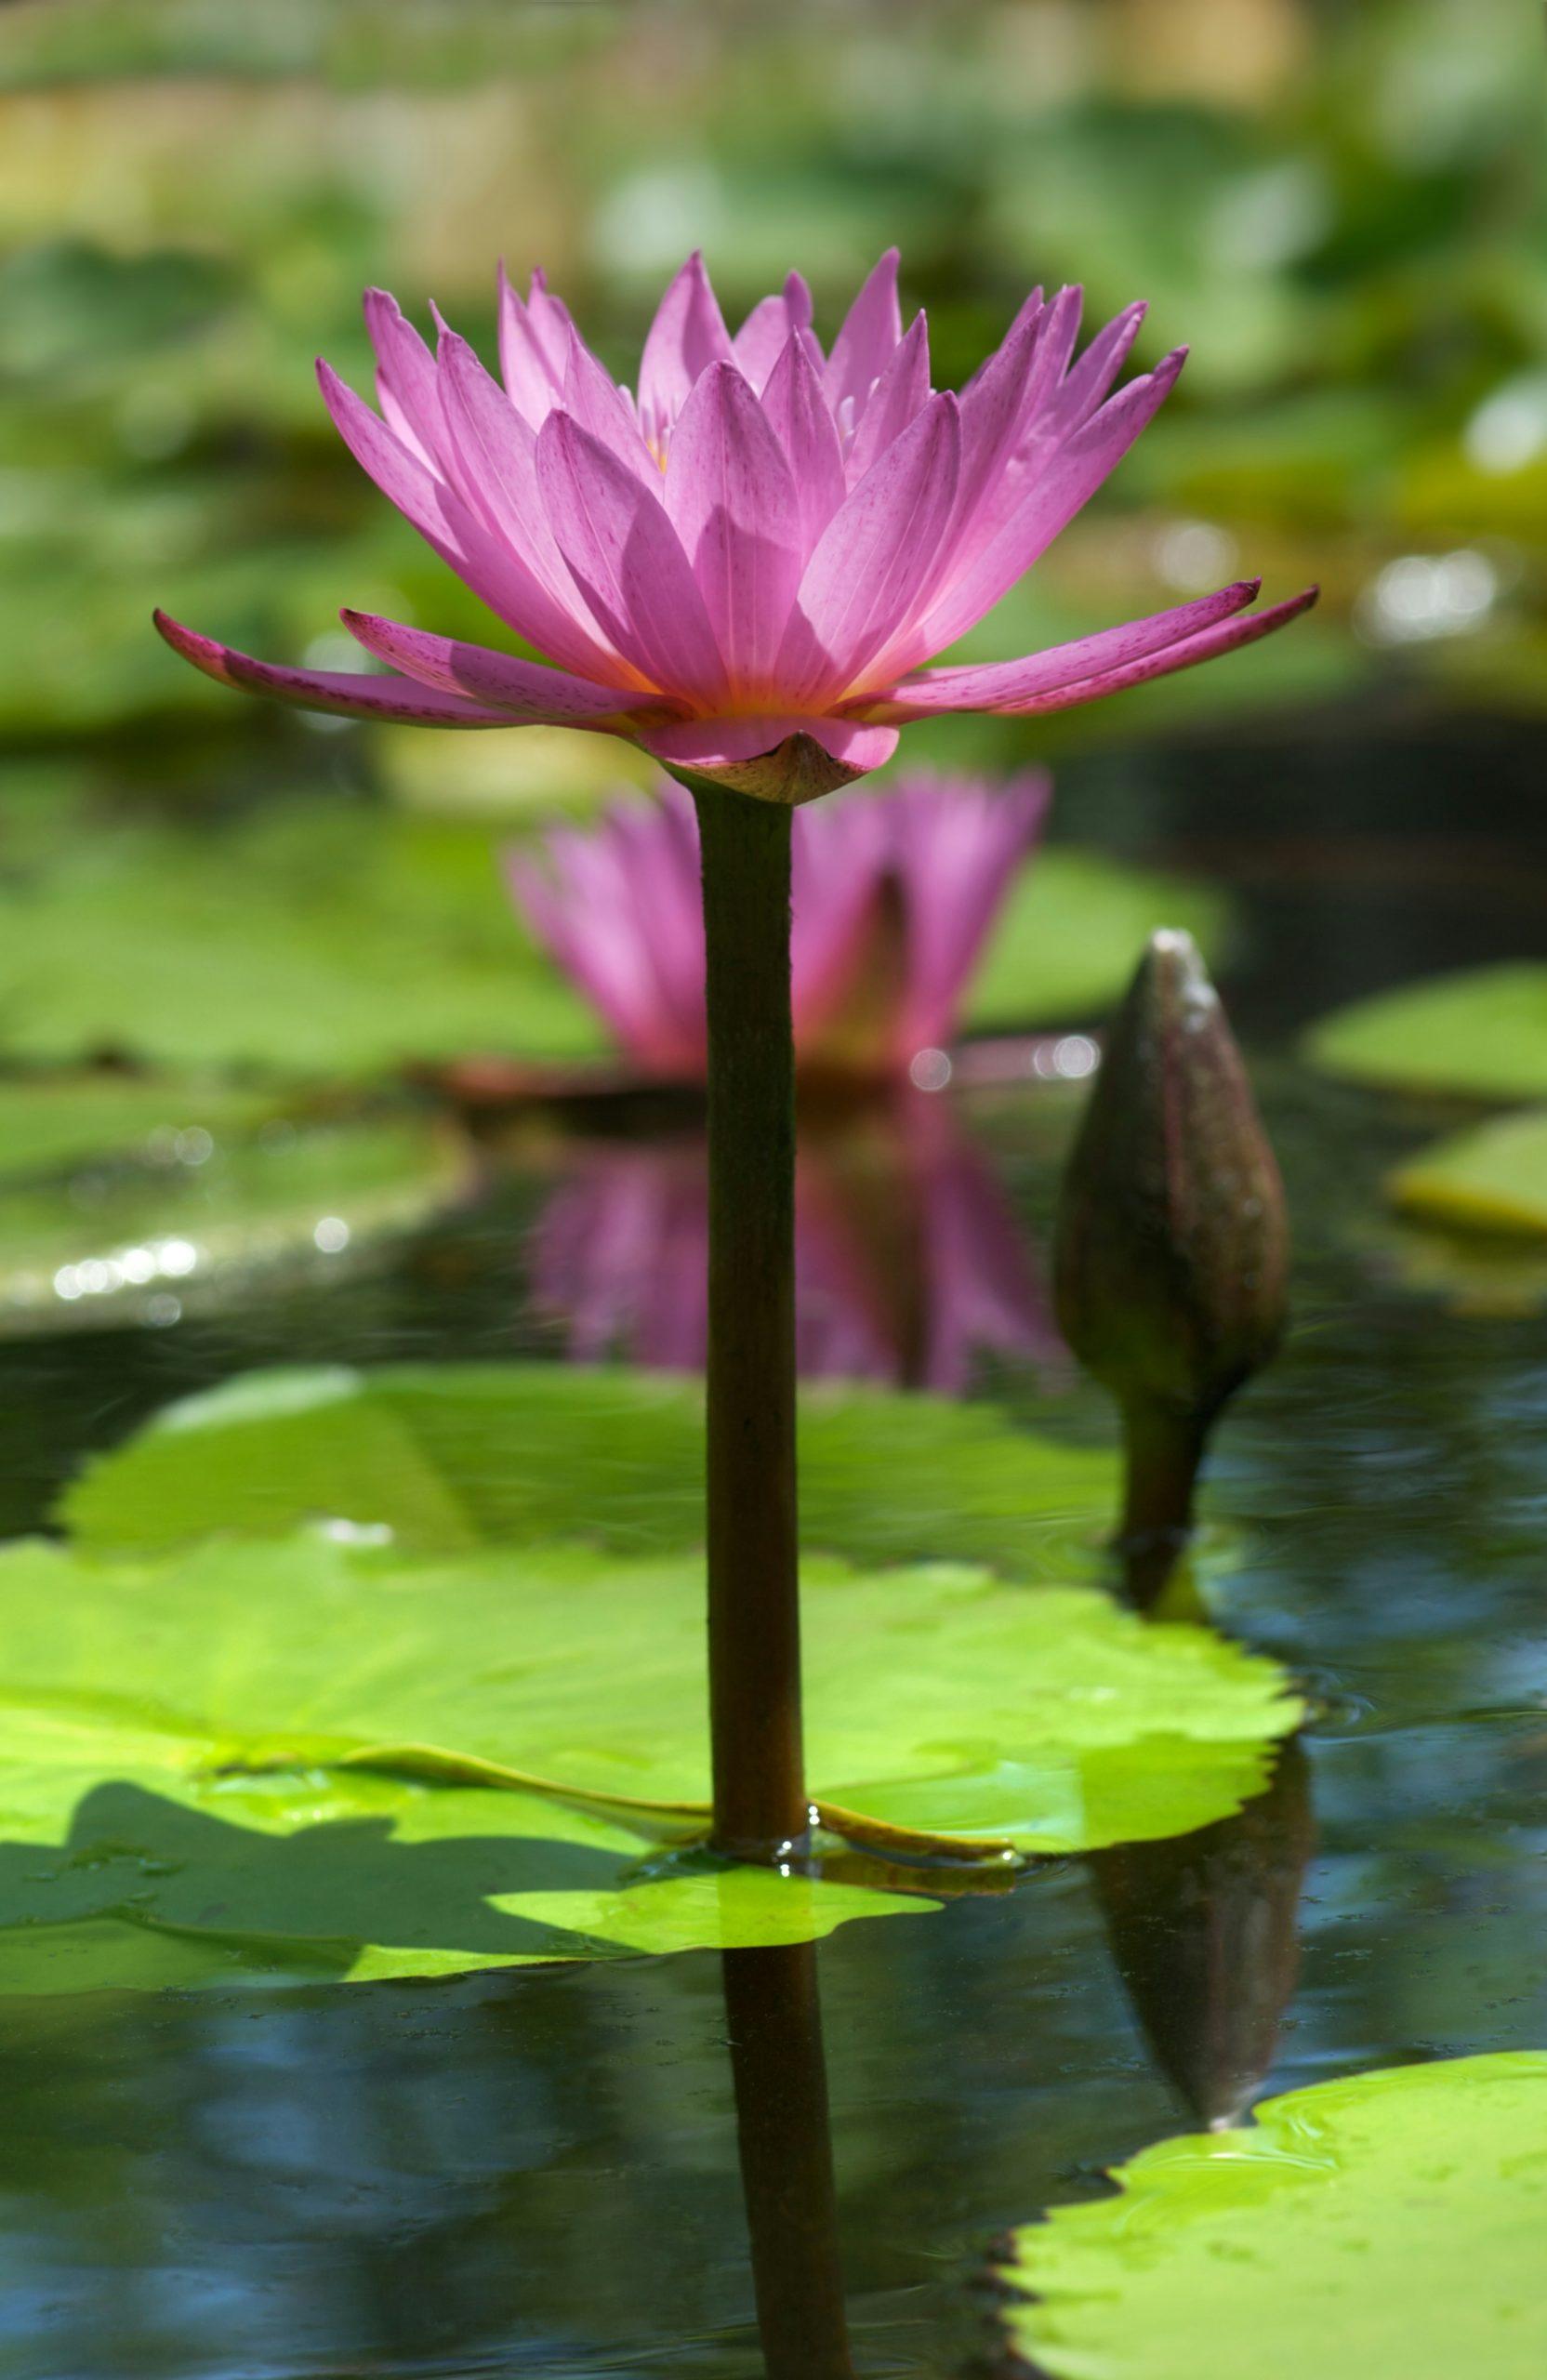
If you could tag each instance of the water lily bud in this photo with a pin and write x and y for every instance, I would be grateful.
(1173, 1244)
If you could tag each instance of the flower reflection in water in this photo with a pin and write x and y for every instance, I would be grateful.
(910, 1266)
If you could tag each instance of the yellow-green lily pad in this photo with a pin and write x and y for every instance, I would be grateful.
(1389, 2227)
(1493, 1179)
(228, 1744)
(1482, 1032)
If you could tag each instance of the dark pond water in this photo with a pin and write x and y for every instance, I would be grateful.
(538, 2171)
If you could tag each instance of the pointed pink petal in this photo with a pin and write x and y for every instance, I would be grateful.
(864, 575)
(732, 500)
(686, 337)
(487, 563)
(1025, 528)
(598, 404)
(1004, 685)
(760, 340)
(476, 673)
(618, 908)
(532, 377)
(355, 697)
(495, 452)
(1223, 638)
(900, 392)
(955, 848)
(406, 380)
(803, 420)
(629, 562)
(865, 344)
(1087, 383)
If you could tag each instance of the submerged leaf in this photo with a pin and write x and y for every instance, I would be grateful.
(176, 1731)
(1385, 2229)
(451, 1457)
(1483, 1033)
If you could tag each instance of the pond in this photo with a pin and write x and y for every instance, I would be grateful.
(540, 2170)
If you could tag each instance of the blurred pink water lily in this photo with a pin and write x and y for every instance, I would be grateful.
(743, 565)
(909, 1264)
(894, 898)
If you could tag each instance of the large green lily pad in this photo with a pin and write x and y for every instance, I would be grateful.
(318, 940)
(1493, 1179)
(177, 1734)
(328, 939)
(1389, 2227)
(1483, 1033)
(453, 1457)
(203, 1218)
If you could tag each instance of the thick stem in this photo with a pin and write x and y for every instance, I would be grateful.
(773, 2019)
(760, 1796)
(1163, 1446)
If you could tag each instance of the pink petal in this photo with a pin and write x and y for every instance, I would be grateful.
(760, 340)
(732, 500)
(1005, 685)
(497, 464)
(618, 908)
(864, 575)
(598, 404)
(1223, 638)
(956, 848)
(865, 344)
(534, 375)
(803, 420)
(501, 576)
(405, 379)
(1087, 383)
(686, 337)
(1051, 497)
(629, 562)
(355, 697)
(900, 393)
(476, 673)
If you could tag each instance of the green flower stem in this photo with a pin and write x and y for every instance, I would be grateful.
(760, 1795)
(1163, 1445)
(773, 2022)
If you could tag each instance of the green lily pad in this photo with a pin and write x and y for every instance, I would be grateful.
(204, 1218)
(1064, 948)
(176, 1734)
(48, 1122)
(1483, 1033)
(327, 939)
(455, 1457)
(319, 941)
(1385, 2229)
(1490, 1180)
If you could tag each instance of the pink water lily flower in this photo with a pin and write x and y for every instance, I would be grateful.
(894, 897)
(743, 565)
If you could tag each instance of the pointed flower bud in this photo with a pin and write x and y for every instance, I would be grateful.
(1172, 1245)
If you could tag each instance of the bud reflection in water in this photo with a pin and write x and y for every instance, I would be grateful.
(910, 1265)
(1204, 1930)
